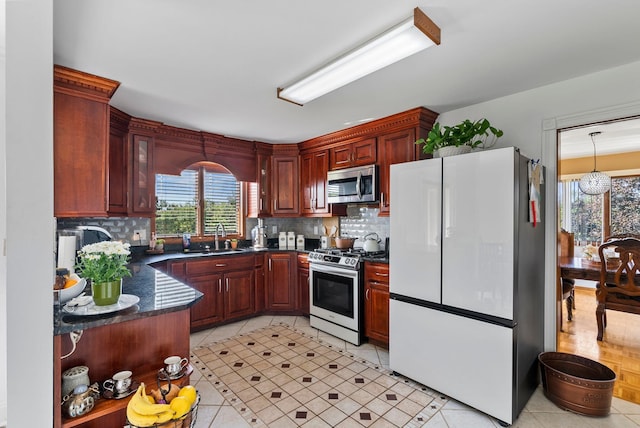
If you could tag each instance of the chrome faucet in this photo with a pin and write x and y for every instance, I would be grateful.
(217, 244)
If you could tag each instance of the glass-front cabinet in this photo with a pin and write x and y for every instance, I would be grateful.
(143, 179)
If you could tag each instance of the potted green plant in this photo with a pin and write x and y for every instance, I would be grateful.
(159, 245)
(460, 138)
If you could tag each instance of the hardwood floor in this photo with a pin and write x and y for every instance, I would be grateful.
(619, 349)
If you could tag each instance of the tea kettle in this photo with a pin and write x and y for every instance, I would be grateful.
(371, 243)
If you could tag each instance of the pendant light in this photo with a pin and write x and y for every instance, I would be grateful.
(596, 182)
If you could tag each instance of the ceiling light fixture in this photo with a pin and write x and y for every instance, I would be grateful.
(400, 41)
(596, 182)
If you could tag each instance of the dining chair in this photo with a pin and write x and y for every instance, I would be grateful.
(568, 295)
(619, 286)
(622, 236)
(566, 249)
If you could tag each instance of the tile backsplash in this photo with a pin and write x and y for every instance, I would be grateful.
(360, 221)
(120, 228)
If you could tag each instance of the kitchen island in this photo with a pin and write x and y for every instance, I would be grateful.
(138, 338)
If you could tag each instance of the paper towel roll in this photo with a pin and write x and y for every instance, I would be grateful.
(67, 252)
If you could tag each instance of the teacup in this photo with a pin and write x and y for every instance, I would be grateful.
(174, 365)
(119, 382)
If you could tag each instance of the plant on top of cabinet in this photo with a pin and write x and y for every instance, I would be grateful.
(465, 136)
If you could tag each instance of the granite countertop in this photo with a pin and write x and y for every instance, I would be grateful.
(158, 294)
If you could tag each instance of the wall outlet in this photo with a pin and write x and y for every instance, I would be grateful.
(274, 229)
(139, 235)
(315, 230)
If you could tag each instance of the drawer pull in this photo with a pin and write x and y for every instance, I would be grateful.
(221, 264)
(382, 274)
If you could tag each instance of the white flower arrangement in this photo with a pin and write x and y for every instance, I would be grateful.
(104, 261)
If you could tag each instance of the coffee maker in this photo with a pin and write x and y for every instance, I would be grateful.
(259, 235)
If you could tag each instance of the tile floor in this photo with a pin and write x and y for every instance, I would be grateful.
(216, 411)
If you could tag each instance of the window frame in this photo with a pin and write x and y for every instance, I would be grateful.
(200, 167)
(606, 203)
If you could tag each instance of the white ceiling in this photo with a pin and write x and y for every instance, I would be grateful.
(616, 137)
(215, 65)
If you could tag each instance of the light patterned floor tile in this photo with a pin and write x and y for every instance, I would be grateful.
(336, 365)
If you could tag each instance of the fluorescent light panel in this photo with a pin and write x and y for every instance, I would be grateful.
(400, 41)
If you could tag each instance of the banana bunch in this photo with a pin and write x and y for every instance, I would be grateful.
(143, 413)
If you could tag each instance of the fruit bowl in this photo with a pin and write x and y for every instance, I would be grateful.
(67, 294)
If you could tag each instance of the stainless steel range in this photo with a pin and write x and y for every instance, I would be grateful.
(336, 293)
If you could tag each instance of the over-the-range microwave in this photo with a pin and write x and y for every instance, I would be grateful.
(351, 185)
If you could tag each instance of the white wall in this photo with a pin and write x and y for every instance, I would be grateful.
(26, 215)
(530, 120)
(3, 224)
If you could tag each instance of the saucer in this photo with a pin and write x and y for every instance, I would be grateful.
(116, 396)
(163, 375)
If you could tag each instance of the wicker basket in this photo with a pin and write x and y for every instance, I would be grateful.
(187, 421)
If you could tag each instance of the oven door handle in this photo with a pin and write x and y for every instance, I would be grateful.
(358, 185)
(332, 270)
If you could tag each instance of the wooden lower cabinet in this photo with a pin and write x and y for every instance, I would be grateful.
(210, 309)
(138, 345)
(228, 285)
(241, 286)
(376, 302)
(239, 296)
(281, 269)
(303, 284)
(261, 297)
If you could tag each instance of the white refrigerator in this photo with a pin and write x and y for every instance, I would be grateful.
(467, 279)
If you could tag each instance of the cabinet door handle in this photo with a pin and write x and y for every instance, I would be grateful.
(366, 294)
(226, 280)
(269, 265)
(382, 199)
(261, 204)
(219, 285)
(382, 274)
(275, 205)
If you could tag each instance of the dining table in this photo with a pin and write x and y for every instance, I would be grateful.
(582, 268)
(579, 268)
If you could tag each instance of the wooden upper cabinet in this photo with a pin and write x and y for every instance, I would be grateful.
(313, 183)
(118, 163)
(397, 147)
(143, 177)
(284, 184)
(276, 191)
(263, 202)
(81, 143)
(349, 154)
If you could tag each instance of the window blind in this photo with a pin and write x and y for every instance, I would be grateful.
(221, 197)
(176, 203)
(179, 201)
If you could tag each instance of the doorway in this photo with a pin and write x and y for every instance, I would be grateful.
(591, 219)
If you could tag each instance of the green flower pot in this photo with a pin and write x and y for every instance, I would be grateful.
(106, 293)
